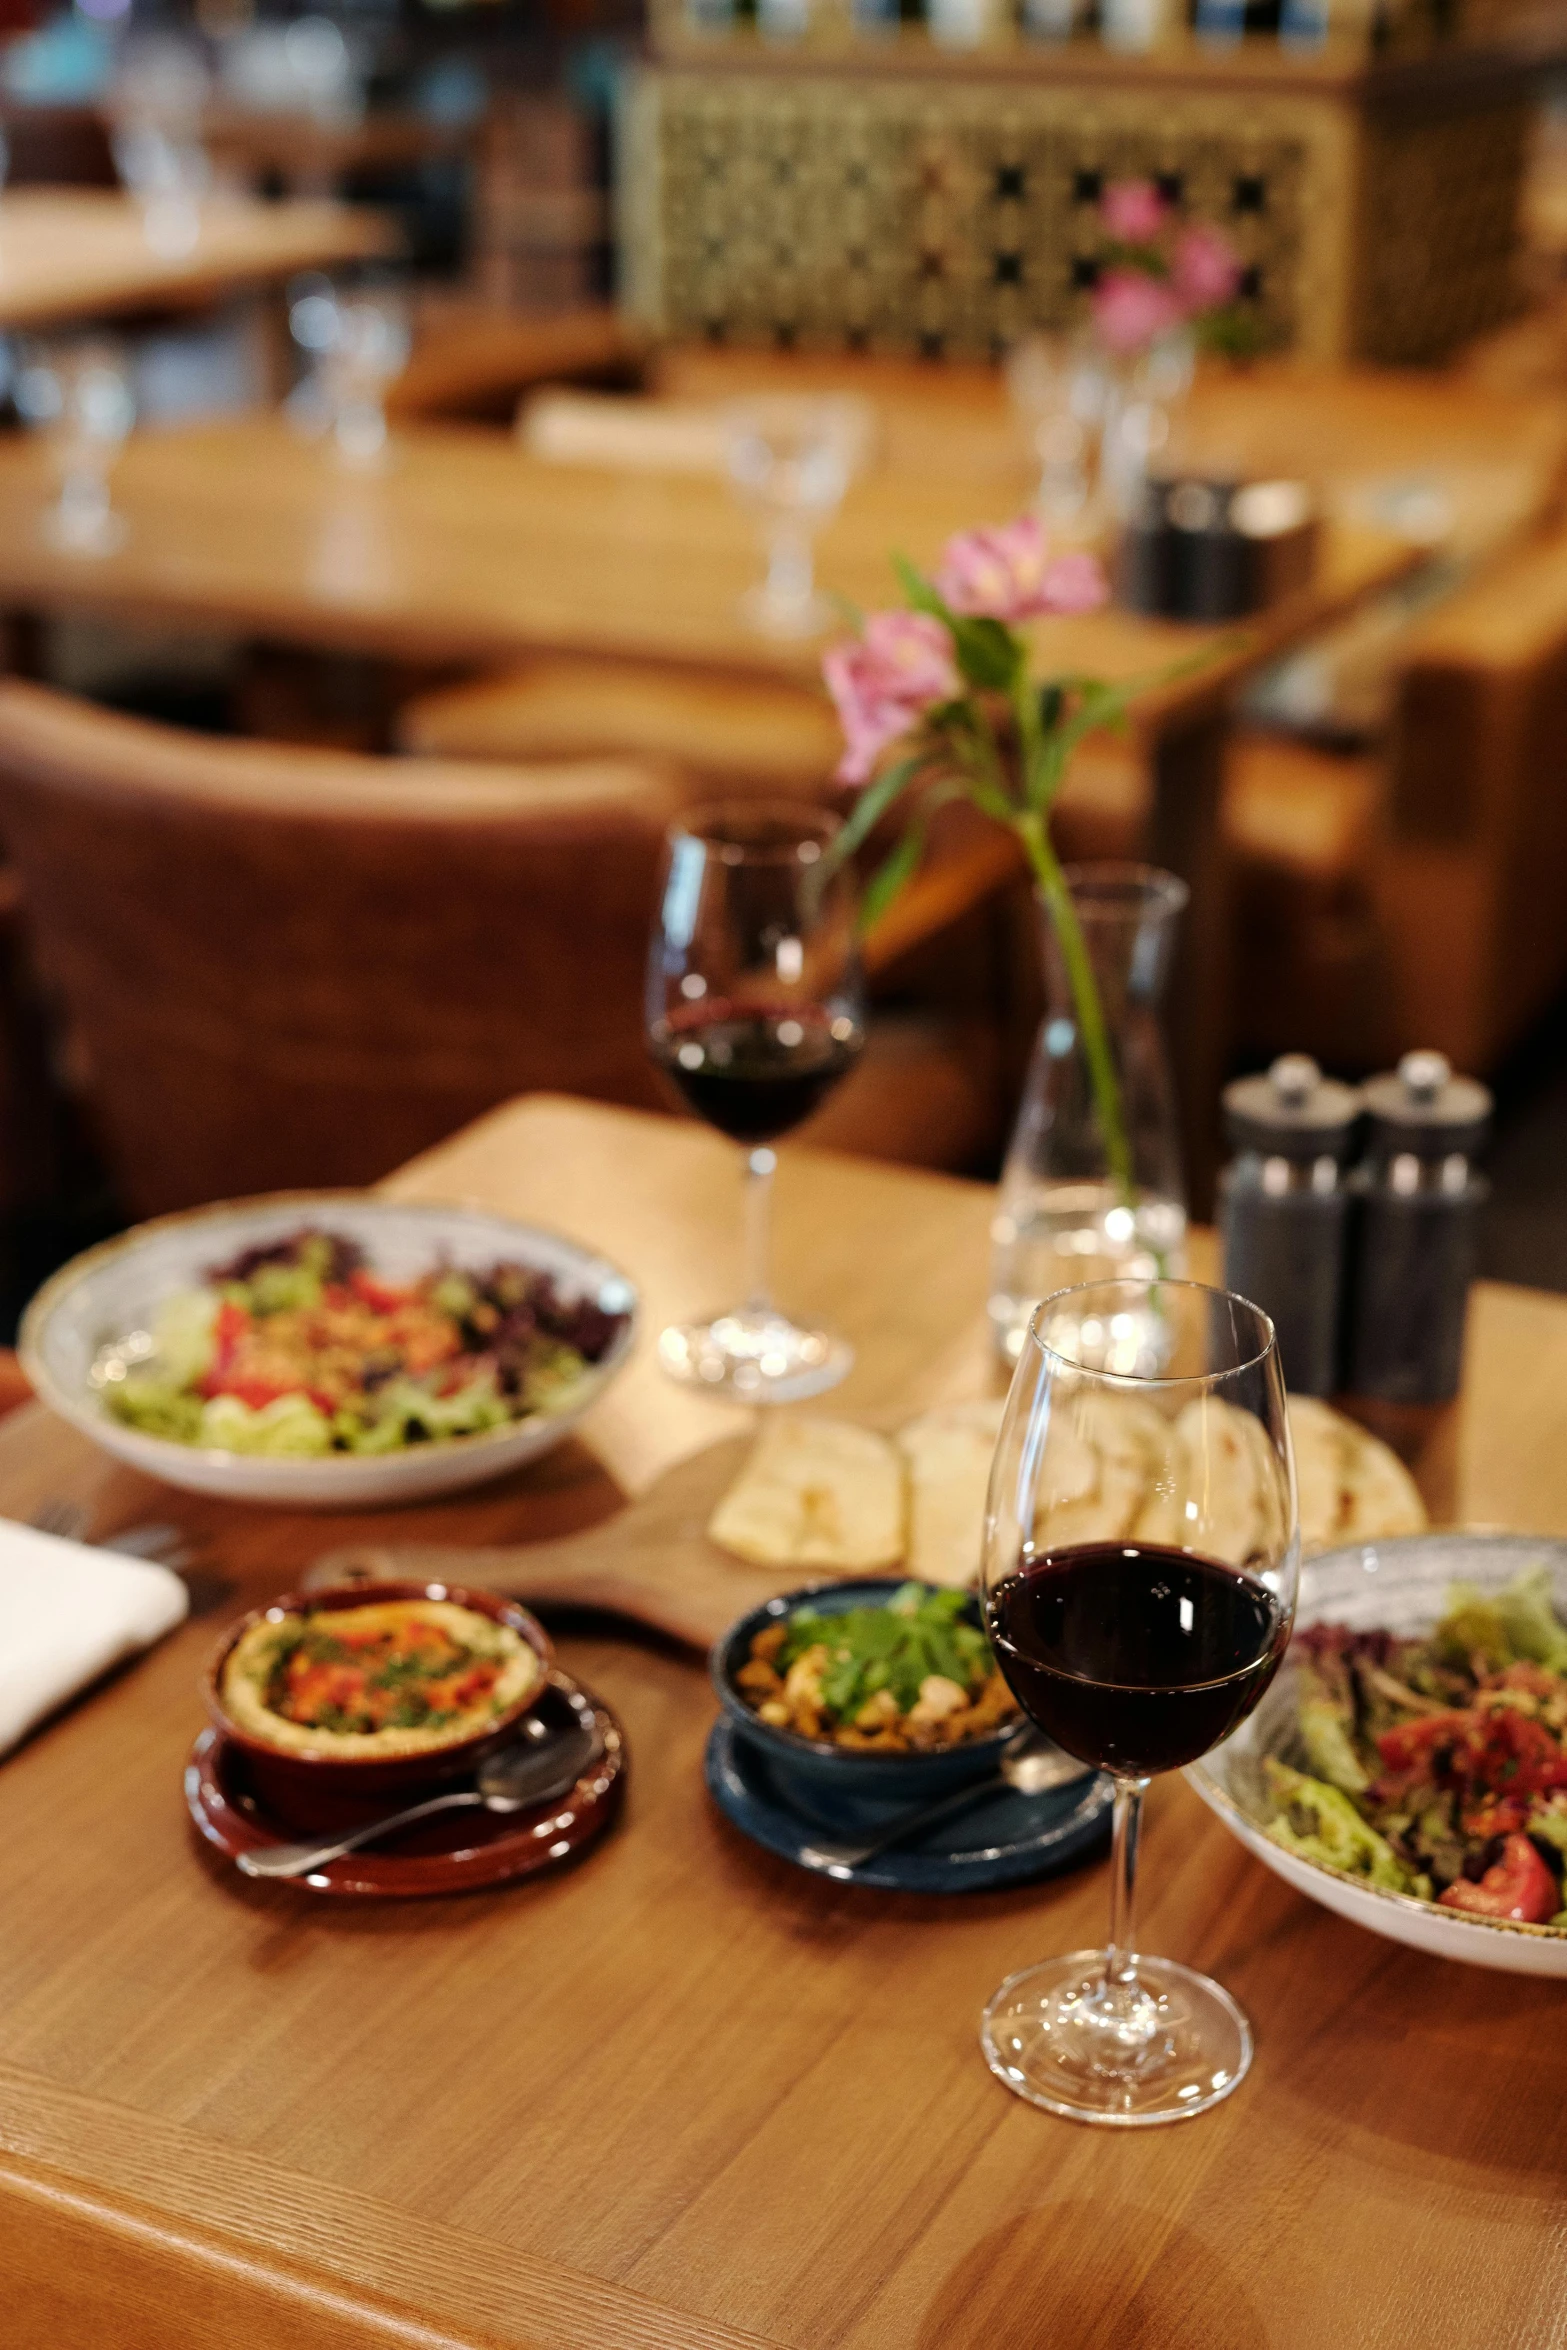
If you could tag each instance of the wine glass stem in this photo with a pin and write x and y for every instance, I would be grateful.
(759, 1166)
(791, 580)
(1120, 1981)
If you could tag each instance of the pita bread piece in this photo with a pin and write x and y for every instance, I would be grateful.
(815, 1493)
(948, 1454)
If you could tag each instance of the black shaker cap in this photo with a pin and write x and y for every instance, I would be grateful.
(1293, 1112)
(1422, 1107)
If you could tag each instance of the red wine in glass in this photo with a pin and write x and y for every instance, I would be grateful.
(755, 1070)
(1134, 1656)
(755, 1011)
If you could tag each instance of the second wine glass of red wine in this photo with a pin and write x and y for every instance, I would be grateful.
(1140, 1567)
(755, 1012)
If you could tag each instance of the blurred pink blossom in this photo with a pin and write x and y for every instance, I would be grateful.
(882, 681)
(1007, 573)
(1207, 271)
(1132, 310)
(1133, 211)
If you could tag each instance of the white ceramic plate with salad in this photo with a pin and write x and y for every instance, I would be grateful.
(328, 1349)
(1408, 1767)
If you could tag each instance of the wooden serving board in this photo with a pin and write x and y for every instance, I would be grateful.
(652, 1562)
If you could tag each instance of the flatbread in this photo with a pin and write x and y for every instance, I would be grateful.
(815, 1493)
(948, 1455)
(1111, 1470)
(1352, 1487)
(1232, 1500)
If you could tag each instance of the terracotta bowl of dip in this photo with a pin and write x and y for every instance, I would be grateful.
(312, 1789)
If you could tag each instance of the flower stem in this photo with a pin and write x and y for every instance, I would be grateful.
(1102, 1074)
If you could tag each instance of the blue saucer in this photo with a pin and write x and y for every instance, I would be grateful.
(1003, 1838)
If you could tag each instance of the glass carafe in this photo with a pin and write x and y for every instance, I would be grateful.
(1064, 1216)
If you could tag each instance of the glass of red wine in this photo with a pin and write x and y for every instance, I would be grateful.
(1140, 1567)
(755, 1011)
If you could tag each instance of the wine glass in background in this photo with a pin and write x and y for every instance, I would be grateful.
(1059, 389)
(367, 353)
(1140, 1567)
(791, 457)
(156, 107)
(77, 392)
(755, 1011)
(356, 343)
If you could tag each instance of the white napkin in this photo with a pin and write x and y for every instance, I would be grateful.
(639, 436)
(68, 1612)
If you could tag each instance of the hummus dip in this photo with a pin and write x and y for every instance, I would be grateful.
(400, 1676)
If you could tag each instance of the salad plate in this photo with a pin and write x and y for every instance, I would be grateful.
(1401, 1586)
(108, 1326)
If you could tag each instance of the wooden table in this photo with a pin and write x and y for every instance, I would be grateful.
(682, 2097)
(71, 254)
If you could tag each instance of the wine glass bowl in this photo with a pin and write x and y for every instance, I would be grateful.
(1140, 1569)
(755, 1012)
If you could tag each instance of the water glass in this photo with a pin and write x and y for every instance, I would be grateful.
(77, 392)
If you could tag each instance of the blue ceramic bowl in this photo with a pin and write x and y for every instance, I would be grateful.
(815, 1768)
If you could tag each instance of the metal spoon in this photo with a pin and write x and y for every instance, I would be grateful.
(540, 1765)
(1030, 1764)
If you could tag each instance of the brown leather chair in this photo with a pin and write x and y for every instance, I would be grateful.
(282, 966)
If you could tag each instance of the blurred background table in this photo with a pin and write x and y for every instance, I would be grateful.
(682, 2097)
(68, 254)
(465, 549)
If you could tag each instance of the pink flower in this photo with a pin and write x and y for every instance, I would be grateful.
(1007, 573)
(882, 682)
(1132, 310)
(1133, 211)
(1075, 583)
(1207, 271)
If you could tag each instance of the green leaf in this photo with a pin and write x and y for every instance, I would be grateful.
(989, 654)
(892, 876)
(918, 593)
(863, 817)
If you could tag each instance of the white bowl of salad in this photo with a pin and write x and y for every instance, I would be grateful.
(328, 1349)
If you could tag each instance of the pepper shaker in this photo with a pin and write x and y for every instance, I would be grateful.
(1283, 1209)
(1414, 1256)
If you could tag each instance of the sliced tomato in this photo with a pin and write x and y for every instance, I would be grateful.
(1519, 1886)
(1410, 1744)
(231, 1325)
(380, 1294)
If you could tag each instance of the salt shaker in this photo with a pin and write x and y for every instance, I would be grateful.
(1414, 1256)
(1283, 1209)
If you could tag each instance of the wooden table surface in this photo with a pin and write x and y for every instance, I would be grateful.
(464, 547)
(74, 254)
(682, 2097)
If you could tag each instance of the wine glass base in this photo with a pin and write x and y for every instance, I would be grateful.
(750, 1357)
(791, 617)
(1040, 2038)
(91, 533)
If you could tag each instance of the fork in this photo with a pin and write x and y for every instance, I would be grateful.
(161, 1544)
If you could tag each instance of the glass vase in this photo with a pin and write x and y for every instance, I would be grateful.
(1065, 1214)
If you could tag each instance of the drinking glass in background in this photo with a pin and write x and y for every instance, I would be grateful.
(791, 457)
(156, 108)
(755, 1011)
(1059, 388)
(1143, 419)
(356, 342)
(78, 393)
(1140, 1567)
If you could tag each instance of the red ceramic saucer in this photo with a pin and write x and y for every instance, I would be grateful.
(455, 1852)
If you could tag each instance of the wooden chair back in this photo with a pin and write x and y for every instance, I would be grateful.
(1473, 882)
(291, 967)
